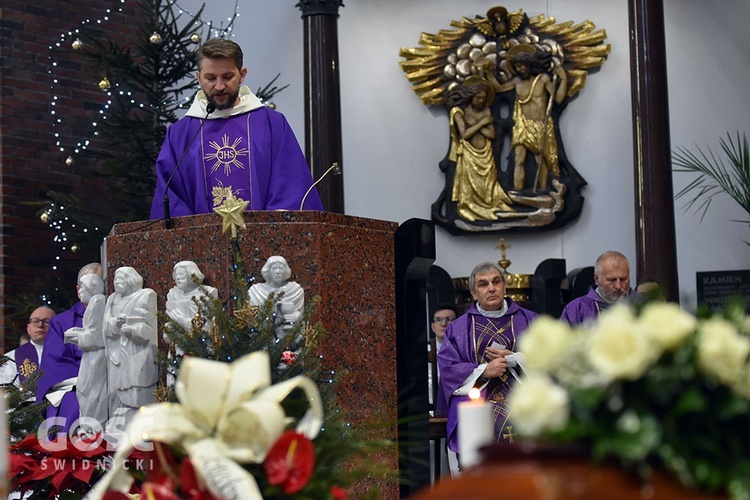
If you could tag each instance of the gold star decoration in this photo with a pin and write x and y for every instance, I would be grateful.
(310, 333)
(231, 213)
(246, 315)
(161, 394)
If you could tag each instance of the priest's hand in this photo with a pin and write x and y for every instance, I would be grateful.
(497, 366)
(496, 352)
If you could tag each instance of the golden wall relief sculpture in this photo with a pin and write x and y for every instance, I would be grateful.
(504, 80)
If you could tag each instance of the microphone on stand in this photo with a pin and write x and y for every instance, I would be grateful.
(336, 171)
(210, 108)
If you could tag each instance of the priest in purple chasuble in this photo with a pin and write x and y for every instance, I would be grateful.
(474, 351)
(26, 358)
(60, 362)
(241, 145)
(611, 285)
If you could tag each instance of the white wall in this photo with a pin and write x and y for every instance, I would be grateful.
(392, 143)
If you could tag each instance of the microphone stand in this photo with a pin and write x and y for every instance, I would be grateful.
(210, 108)
(336, 171)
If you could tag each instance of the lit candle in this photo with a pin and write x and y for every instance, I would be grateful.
(474, 428)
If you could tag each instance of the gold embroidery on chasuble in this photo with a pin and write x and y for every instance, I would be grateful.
(27, 368)
(483, 335)
(225, 153)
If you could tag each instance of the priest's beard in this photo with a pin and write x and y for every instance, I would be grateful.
(231, 99)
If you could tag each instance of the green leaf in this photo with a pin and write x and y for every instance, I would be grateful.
(631, 446)
(716, 175)
(691, 401)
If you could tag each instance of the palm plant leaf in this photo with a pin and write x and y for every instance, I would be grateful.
(717, 174)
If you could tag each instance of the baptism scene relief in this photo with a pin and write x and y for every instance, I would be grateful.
(505, 80)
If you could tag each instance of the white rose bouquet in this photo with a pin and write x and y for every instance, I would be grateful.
(649, 387)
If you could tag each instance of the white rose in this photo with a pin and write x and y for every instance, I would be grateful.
(666, 323)
(575, 369)
(618, 349)
(722, 351)
(544, 343)
(538, 405)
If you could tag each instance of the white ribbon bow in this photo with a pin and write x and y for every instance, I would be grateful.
(229, 414)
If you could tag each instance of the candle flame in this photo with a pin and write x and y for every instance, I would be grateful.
(474, 394)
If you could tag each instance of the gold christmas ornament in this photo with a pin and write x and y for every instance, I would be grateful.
(75, 248)
(44, 217)
(69, 161)
(155, 38)
(272, 105)
(215, 334)
(104, 84)
(198, 321)
(195, 38)
(77, 44)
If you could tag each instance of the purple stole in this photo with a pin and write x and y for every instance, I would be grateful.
(225, 156)
(27, 361)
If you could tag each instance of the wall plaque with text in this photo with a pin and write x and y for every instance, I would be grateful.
(717, 287)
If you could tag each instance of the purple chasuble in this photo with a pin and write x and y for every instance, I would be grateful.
(586, 308)
(60, 361)
(27, 361)
(255, 154)
(463, 349)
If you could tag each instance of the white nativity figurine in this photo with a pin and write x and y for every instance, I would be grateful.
(91, 389)
(290, 295)
(130, 330)
(187, 296)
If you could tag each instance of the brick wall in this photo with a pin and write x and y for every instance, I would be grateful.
(30, 164)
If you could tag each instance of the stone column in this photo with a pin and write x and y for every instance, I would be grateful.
(323, 98)
(656, 252)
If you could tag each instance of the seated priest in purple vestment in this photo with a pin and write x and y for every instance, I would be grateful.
(230, 140)
(611, 285)
(24, 360)
(474, 351)
(61, 361)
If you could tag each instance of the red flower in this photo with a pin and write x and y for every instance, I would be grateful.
(115, 495)
(338, 493)
(290, 462)
(65, 463)
(192, 488)
(288, 357)
(170, 476)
